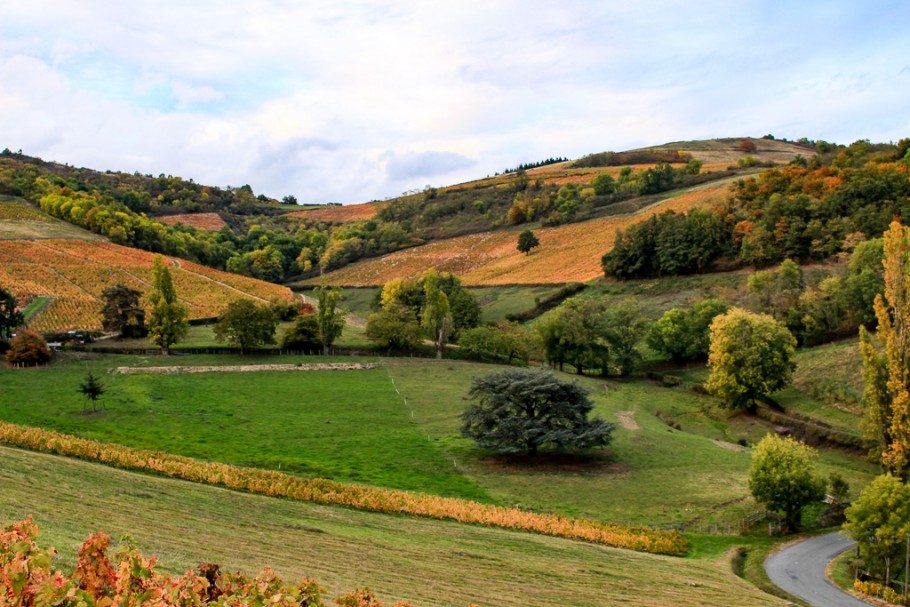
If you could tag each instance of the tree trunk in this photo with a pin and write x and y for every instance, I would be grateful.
(165, 351)
(325, 350)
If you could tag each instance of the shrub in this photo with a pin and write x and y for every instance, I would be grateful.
(28, 348)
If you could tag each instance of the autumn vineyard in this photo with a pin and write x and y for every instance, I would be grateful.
(72, 274)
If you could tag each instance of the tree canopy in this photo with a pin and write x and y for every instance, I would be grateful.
(526, 411)
(783, 477)
(167, 322)
(751, 355)
(246, 325)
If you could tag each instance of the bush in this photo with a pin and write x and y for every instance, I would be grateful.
(28, 348)
(394, 327)
(782, 478)
(303, 335)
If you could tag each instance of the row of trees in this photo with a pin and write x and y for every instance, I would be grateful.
(555, 206)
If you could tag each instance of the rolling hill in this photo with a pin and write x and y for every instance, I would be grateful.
(567, 253)
(58, 272)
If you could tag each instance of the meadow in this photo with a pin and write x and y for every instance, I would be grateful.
(567, 253)
(340, 214)
(401, 558)
(407, 416)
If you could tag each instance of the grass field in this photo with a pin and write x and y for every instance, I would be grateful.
(201, 221)
(297, 422)
(73, 274)
(495, 302)
(652, 474)
(426, 562)
(567, 253)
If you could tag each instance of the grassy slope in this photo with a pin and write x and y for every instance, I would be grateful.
(570, 252)
(656, 475)
(295, 420)
(354, 426)
(426, 562)
(21, 220)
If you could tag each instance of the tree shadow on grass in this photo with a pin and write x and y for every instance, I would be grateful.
(596, 461)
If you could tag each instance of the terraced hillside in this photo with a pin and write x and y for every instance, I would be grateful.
(567, 253)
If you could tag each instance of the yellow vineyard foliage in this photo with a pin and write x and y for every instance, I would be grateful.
(361, 497)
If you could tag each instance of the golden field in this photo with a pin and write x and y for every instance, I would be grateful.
(340, 214)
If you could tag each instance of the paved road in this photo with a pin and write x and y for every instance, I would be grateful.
(800, 570)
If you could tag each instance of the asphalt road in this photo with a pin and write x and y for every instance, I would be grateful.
(800, 570)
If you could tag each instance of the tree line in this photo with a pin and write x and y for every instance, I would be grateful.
(805, 211)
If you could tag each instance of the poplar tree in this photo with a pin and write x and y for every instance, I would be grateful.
(167, 321)
(436, 316)
(886, 370)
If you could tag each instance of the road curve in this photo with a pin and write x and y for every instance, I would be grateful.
(800, 570)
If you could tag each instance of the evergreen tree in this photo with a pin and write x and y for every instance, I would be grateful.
(527, 240)
(92, 389)
(527, 410)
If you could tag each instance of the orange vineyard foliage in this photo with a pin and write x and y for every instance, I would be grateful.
(566, 253)
(340, 214)
(27, 579)
(73, 273)
(361, 497)
(200, 221)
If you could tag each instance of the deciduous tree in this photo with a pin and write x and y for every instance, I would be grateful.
(887, 371)
(436, 316)
(28, 348)
(783, 478)
(168, 320)
(329, 317)
(394, 327)
(246, 324)
(121, 312)
(751, 355)
(527, 241)
(879, 521)
(10, 317)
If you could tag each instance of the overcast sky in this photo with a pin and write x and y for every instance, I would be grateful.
(351, 101)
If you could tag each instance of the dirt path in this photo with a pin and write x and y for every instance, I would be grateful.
(244, 368)
(627, 420)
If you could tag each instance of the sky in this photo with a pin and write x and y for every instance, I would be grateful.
(345, 101)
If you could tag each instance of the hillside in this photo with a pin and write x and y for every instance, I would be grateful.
(567, 253)
(716, 155)
(400, 558)
(58, 272)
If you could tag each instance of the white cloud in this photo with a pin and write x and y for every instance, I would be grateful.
(350, 101)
